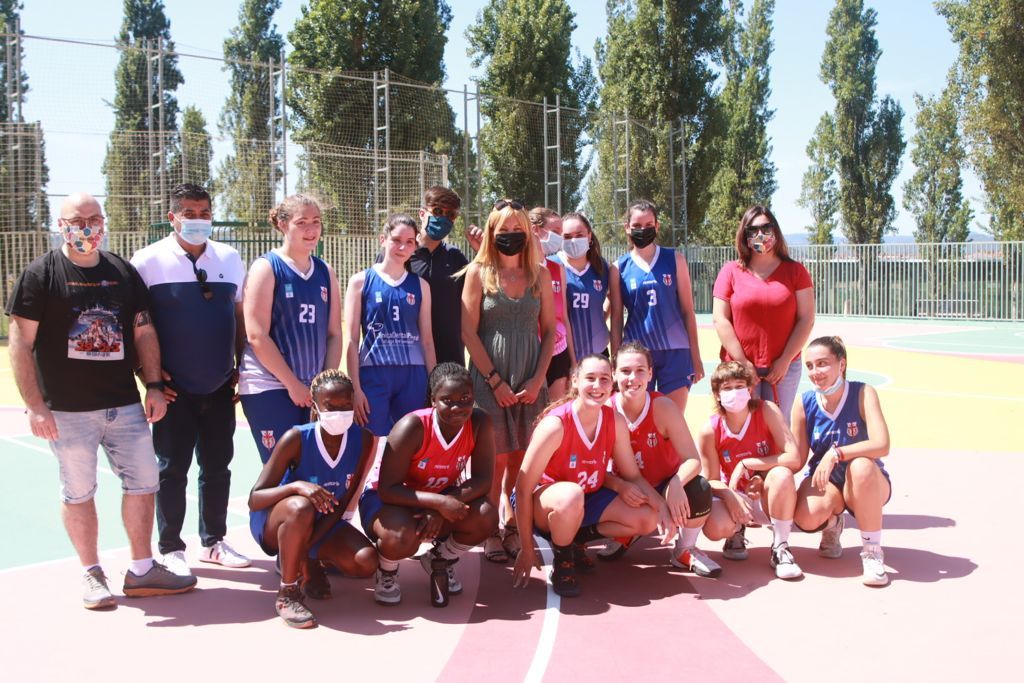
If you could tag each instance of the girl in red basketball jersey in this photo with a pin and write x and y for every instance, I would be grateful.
(749, 456)
(562, 491)
(667, 457)
(423, 493)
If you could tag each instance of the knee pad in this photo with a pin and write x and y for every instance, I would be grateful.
(698, 493)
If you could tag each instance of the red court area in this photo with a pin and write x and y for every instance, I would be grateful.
(951, 611)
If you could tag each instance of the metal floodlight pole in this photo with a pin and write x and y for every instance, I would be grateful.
(271, 116)
(544, 118)
(479, 161)
(465, 147)
(558, 151)
(387, 137)
(17, 66)
(160, 121)
(284, 126)
(672, 178)
(376, 150)
(150, 142)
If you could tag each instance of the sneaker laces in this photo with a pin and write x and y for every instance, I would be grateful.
(222, 549)
(96, 580)
(782, 554)
(387, 580)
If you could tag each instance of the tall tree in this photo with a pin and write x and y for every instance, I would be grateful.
(820, 194)
(246, 179)
(746, 174)
(136, 185)
(194, 154)
(23, 170)
(657, 64)
(525, 47)
(989, 84)
(934, 194)
(867, 134)
(329, 109)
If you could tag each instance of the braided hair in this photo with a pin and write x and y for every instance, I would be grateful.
(327, 378)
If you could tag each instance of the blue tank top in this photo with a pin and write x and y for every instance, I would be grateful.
(585, 292)
(391, 321)
(844, 427)
(318, 467)
(653, 315)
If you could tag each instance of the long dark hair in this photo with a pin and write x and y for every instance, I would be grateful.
(594, 257)
(744, 252)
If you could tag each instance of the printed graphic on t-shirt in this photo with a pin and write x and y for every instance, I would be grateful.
(96, 335)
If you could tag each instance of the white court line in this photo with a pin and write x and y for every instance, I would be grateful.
(552, 609)
(241, 510)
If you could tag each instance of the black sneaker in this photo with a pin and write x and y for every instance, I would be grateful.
(563, 579)
(290, 608)
(316, 585)
(584, 565)
(159, 580)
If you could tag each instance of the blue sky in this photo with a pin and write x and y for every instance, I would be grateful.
(917, 53)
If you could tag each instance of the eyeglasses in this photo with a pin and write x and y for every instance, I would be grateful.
(442, 211)
(201, 279)
(502, 203)
(82, 223)
(754, 230)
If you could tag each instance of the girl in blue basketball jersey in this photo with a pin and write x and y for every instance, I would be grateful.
(390, 307)
(841, 427)
(292, 311)
(652, 284)
(314, 469)
(586, 285)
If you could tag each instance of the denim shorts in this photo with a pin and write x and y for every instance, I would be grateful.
(125, 437)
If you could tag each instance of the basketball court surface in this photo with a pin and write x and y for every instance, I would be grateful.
(952, 395)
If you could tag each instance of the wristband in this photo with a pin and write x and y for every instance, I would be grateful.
(159, 386)
(492, 373)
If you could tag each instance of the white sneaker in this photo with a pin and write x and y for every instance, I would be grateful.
(385, 588)
(831, 545)
(735, 547)
(873, 561)
(223, 554)
(783, 563)
(176, 563)
(692, 559)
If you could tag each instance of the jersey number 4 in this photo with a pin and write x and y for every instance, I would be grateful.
(307, 314)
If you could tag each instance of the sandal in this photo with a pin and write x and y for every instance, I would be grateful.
(494, 551)
(511, 542)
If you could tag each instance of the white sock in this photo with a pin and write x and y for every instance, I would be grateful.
(689, 536)
(451, 549)
(140, 567)
(387, 565)
(289, 585)
(781, 529)
(871, 537)
(349, 516)
(86, 568)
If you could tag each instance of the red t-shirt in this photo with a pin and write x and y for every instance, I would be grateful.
(763, 311)
(578, 459)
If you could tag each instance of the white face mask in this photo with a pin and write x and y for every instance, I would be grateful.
(195, 231)
(734, 400)
(836, 386)
(551, 244)
(335, 422)
(575, 247)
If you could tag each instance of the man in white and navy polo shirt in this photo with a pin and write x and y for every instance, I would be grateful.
(195, 291)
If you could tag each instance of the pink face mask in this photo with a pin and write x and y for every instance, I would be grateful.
(83, 240)
(734, 400)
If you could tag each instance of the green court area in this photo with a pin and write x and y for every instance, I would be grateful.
(990, 338)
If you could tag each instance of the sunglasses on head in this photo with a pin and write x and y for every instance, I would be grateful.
(502, 203)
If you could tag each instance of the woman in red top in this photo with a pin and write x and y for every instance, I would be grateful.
(764, 308)
(423, 493)
(562, 492)
(748, 455)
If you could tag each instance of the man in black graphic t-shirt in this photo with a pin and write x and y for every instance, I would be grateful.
(79, 327)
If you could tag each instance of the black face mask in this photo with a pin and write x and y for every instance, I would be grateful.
(641, 237)
(510, 243)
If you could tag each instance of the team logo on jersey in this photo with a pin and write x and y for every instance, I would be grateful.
(762, 449)
(556, 286)
(377, 297)
(288, 292)
(851, 429)
(726, 456)
(632, 283)
(410, 298)
(667, 279)
(597, 285)
(423, 463)
(572, 462)
(313, 479)
(652, 439)
(267, 437)
(323, 294)
(460, 464)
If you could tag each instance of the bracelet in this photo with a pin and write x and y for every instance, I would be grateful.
(839, 453)
(159, 386)
(495, 387)
(492, 373)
